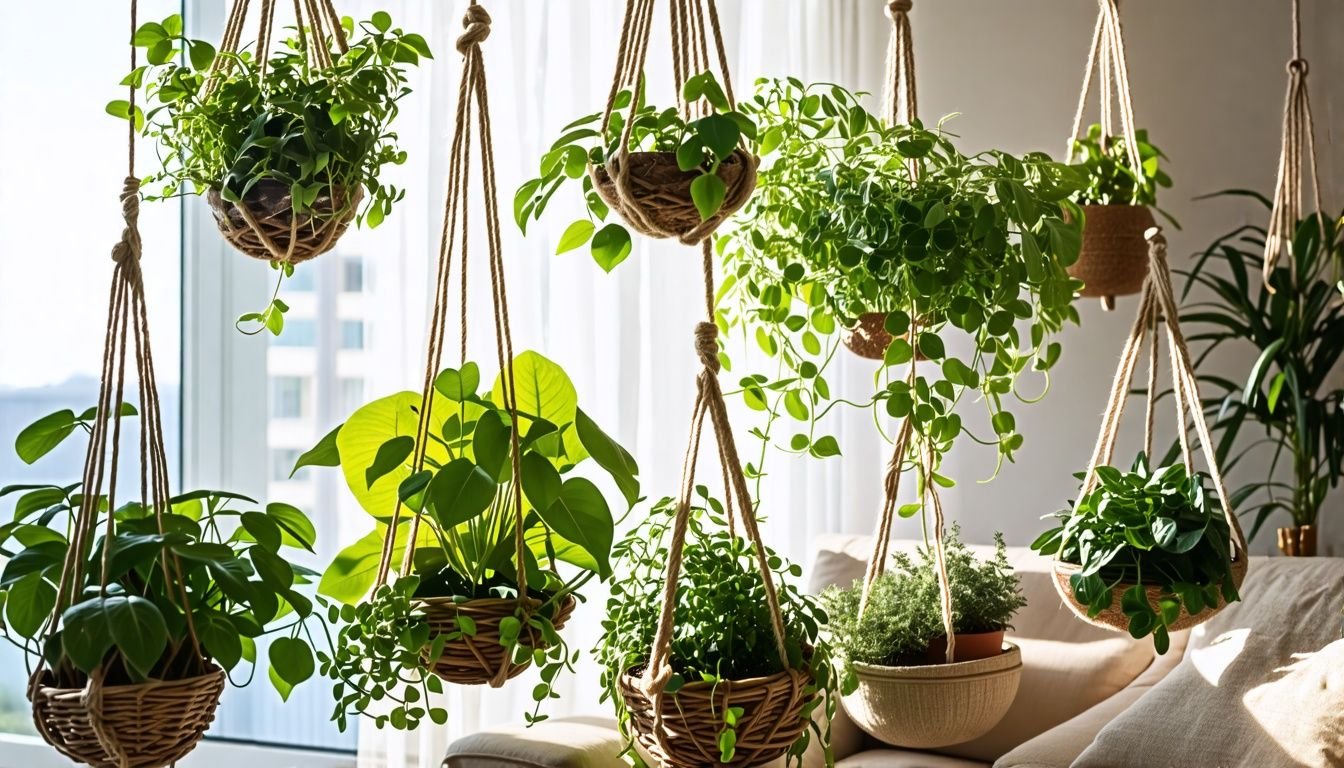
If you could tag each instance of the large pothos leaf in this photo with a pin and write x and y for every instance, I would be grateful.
(354, 569)
(609, 455)
(581, 515)
(543, 389)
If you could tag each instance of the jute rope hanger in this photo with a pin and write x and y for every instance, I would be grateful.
(1299, 134)
(1107, 56)
(902, 95)
(472, 97)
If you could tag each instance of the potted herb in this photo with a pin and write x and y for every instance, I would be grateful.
(456, 613)
(1146, 550)
(1116, 203)
(892, 231)
(156, 608)
(286, 145)
(1296, 328)
(665, 175)
(728, 676)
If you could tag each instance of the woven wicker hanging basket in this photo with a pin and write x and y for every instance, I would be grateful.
(934, 705)
(1115, 619)
(477, 659)
(1114, 257)
(148, 724)
(265, 226)
(692, 718)
(869, 338)
(656, 197)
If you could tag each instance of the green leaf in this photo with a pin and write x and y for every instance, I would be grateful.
(492, 443)
(29, 603)
(353, 571)
(575, 235)
(609, 455)
(460, 492)
(691, 154)
(371, 426)
(138, 630)
(708, 192)
(825, 446)
(719, 134)
(459, 385)
(324, 454)
(382, 21)
(202, 54)
(219, 637)
(85, 634)
(931, 346)
(296, 529)
(291, 662)
(264, 530)
(611, 245)
(391, 455)
(543, 390)
(273, 570)
(582, 516)
(1258, 371)
(42, 436)
(541, 481)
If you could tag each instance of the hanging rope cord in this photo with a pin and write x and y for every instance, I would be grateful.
(1108, 57)
(1157, 306)
(1299, 134)
(126, 316)
(903, 98)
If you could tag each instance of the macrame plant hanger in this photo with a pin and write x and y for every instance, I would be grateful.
(654, 200)
(155, 722)
(902, 96)
(1114, 253)
(1157, 308)
(1299, 137)
(279, 234)
(478, 659)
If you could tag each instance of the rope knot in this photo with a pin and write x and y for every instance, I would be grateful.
(127, 250)
(477, 24)
(707, 345)
(898, 7)
(1298, 67)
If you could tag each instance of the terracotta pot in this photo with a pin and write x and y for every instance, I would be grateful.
(1114, 257)
(1298, 541)
(971, 646)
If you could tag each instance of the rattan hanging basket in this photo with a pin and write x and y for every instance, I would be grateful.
(1114, 257)
(1115, 619)
(476, 659)
(934, 705)
(869, 338)
(656, 199)
(264, 225)
(148, 724)
(692, 718)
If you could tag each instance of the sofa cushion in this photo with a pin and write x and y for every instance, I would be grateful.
(900, 758)
(574, 742)
(1261, 684)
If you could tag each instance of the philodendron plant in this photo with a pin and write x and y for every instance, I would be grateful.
(236, 585)
(851, 218)
(1146, 528)
(1111, 178)
(320, 135)
(465, 542)
(701, 146)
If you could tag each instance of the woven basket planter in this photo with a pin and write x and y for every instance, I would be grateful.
(476, 660)
(149, 724)
(658, 200)
(869, 338)
(934, 705)
(1115, 619)
(692, 718)
(1114, 257)
(265, 226)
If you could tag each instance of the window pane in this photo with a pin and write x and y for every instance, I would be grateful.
(352, 334)
(298, 333)
(289, 397)
(352, 274)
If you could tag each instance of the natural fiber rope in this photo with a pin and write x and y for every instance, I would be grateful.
(903, 98)
(1159, 300)
(1299, 134)
(1107, 54)
(930, 496)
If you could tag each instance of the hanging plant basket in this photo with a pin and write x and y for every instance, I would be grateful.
(934, 705)
(265, 226)
(477, 659)
(147, 724)
(692, 718)
(653, 195)
(1114, 618)
(1114, 257)
(869, 338)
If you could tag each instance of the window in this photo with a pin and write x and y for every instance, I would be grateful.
(352, 334)
(352, 394)
(282, 463)
(352, 274)
(302, 281)
(289, 397)
(298, 333)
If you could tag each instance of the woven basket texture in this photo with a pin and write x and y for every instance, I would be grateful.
(275, 226)
(661, 192)
(1114, 256)
(1115, 619)
(476, 660)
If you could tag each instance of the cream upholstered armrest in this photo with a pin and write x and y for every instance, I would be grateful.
(574, 742)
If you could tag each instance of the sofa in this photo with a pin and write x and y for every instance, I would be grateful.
(1261, 685)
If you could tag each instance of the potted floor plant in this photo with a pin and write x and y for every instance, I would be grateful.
(287, 145)
(455, 614)
(156, 606)
(732, 699)
(1295, 327)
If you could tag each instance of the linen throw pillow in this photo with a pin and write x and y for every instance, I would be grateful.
(1261, 685)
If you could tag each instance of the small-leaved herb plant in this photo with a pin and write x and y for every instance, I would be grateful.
(700, 146)
(237, 574)
(465, 546)
(904, 613)
(851, 216)
(1110, 176)
(320, 132)
(1146, 527)
(722, 622)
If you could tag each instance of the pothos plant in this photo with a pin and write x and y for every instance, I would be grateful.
(852, 216)
(722, 623)
(465, 546)
(237, 585)
(1146, 527)
(700, 145)
(1111, 178)
(319, 133)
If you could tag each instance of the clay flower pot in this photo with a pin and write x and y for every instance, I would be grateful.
(971, 646)
(1298, 541)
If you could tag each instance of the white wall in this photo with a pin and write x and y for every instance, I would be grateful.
(1208, 79)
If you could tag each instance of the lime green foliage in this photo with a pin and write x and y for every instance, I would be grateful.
(1146, 527)
(700, 145)
(463, 500)
(851, 216)
(1111, 177)
(236, 570)
(722, 625)
(904, 613)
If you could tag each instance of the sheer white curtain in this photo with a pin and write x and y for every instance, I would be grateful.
(624, 337)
